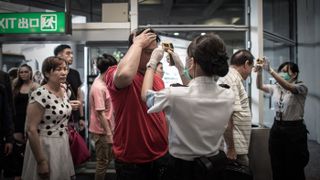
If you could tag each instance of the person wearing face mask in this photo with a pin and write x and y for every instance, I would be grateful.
(288, 146)
(198, 113)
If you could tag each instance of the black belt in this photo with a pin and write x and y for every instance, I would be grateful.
(288, 123)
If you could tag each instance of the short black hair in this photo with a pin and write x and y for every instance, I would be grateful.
(240, 57)
(292, 66)
(139, 31)
(60, 48)
(105, 61)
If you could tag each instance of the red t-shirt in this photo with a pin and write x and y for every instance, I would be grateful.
(139, 137)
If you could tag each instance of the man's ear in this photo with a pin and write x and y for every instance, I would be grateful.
(247, 64)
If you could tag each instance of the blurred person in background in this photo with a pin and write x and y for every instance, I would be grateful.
(22, 87)
(6, 123)
(101, 117)
(37, 77)
(13, 73)
(74, 85)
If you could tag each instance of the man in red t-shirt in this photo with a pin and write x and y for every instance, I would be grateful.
(140, 141)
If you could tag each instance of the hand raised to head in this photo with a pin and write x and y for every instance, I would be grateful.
(144, 39)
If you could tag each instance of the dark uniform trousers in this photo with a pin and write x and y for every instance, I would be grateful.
(203, 168)
(288, 150)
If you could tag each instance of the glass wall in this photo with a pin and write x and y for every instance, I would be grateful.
(181, 40)
(279, 42)
(204, 12)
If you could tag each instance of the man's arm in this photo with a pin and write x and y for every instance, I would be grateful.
(228, 137)
(128, 66)
(102, 119)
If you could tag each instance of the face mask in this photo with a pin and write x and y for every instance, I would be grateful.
(187, 74)
(285, 76)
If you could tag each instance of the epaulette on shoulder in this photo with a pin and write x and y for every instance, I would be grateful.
(177, 85)
(224, 86)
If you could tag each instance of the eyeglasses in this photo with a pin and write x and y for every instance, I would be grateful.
(24, 72)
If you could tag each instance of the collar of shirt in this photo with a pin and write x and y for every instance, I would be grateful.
(202, 80)
(235, 72)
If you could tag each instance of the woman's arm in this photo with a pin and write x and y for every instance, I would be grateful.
(259, 82)
(156, 57)
(179, 66)
(34, 115)
(283, 83)
(147, 83)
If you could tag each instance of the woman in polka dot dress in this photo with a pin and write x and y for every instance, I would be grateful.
(47, 153)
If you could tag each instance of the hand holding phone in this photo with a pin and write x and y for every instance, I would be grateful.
(168, 46)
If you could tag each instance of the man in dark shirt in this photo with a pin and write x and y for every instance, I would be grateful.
(6, 118)
(73, 83)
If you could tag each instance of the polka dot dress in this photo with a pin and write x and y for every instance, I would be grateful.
(53, 136)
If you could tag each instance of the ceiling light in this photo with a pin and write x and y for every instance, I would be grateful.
(203, 33)
(176, 34)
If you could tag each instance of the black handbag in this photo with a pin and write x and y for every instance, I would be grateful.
(234, 170)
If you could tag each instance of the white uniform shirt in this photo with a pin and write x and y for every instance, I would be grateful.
(242, 114)
(197, 116)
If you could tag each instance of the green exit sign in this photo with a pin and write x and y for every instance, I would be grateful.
(32, 23)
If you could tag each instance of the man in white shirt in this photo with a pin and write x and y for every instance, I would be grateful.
(237, 137)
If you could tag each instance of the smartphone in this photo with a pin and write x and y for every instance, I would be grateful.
(166, 46)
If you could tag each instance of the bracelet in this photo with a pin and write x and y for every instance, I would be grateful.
(81, 117)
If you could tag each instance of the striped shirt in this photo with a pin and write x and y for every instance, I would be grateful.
(242, 114)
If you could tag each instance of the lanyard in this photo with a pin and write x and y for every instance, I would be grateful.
(280, 106)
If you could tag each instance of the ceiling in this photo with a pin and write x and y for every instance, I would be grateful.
(154, 11)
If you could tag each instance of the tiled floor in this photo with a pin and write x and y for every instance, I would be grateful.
(313, 168)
